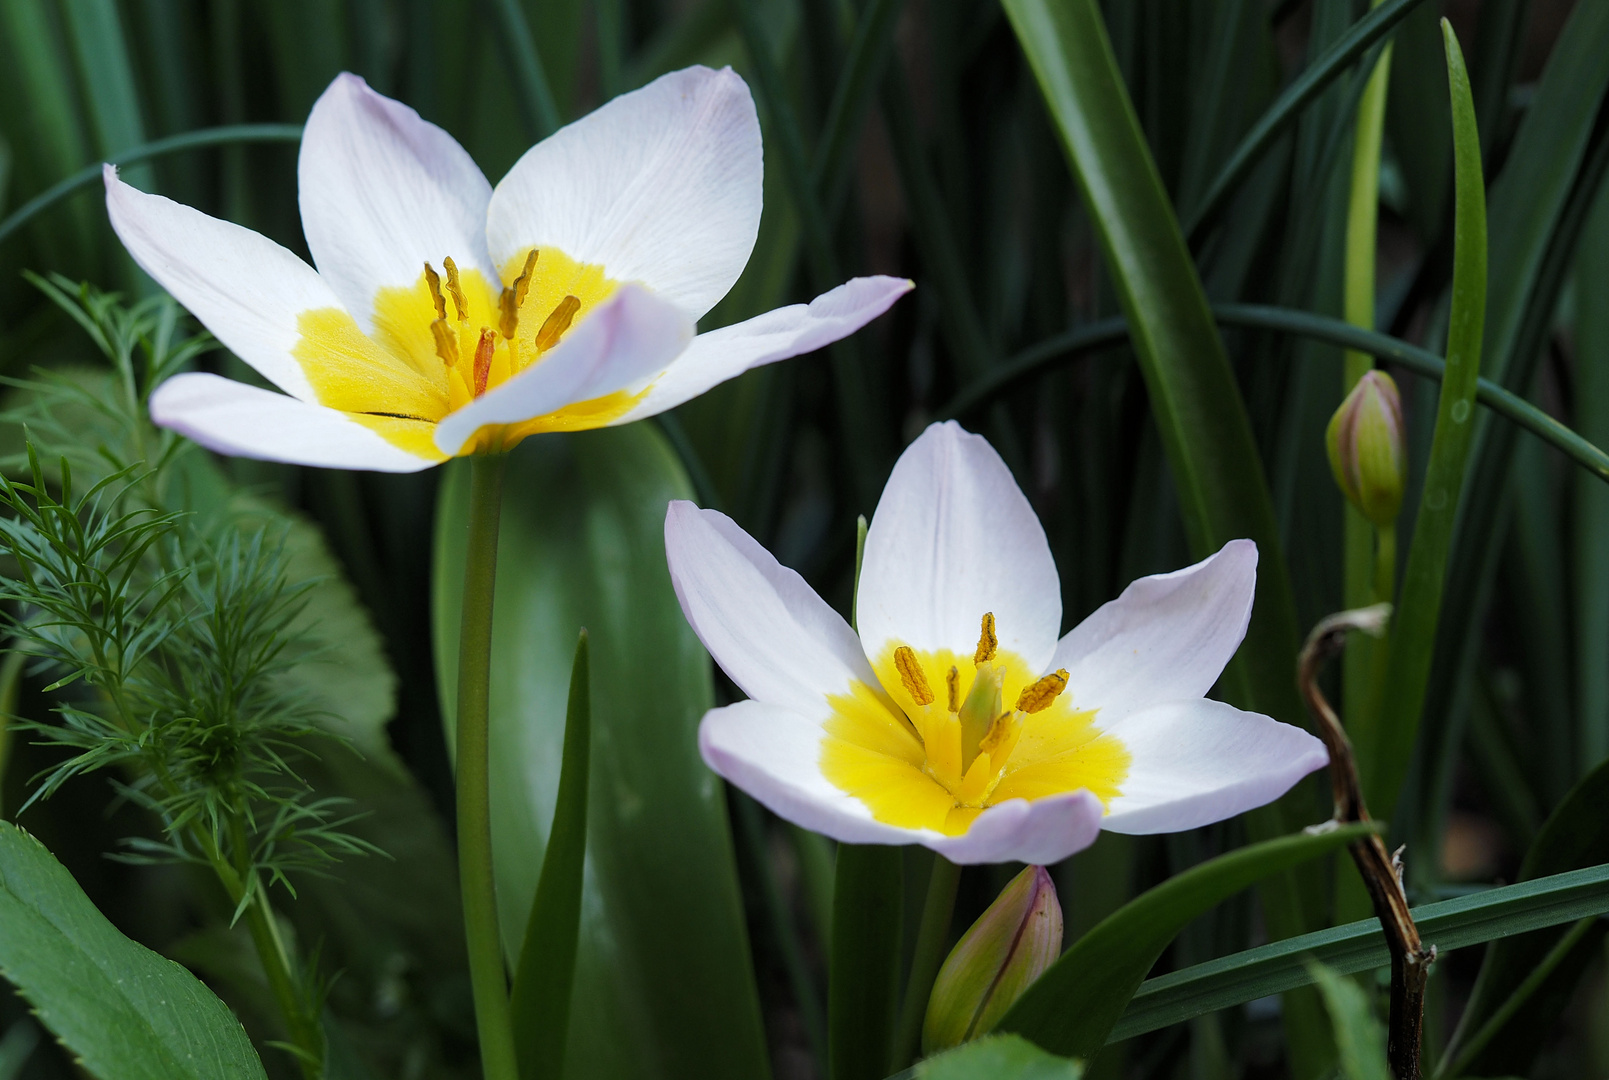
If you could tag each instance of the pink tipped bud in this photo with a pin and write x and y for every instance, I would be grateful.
(1367, 448)
(1009, 947)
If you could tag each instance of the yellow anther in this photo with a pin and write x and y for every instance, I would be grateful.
(557, 323)
(446, 340)
(514, 297)
(1039, 696)
(460, 304)
(999, 731)
(483, 359)
(987, 642)
(433, 279)
(953, 681)
(912, 676)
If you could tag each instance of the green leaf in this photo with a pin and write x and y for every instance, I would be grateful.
(539, 1004)
(123, 1011)
(863, 976)
(582, 545)
(1575, 835)
(1360, 1042)
(1591, 525)
(16, 1047)
(1360, 946)
(1413, 631)
(1073, 1006)
(998, 1057)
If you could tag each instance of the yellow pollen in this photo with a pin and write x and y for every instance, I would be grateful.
(954, 683)
(433, 279)
(1037, 698)
(910, 674)
(460, 304)
(483, 359)
(987, 642)
(513, 296)
(557, 323)
(998, 732)
(446, 342)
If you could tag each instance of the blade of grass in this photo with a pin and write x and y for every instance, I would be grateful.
(863, 67)
(1307, 86)
(1359, 946)
(863, 974)
(190, 140)
(534, 93)
(1390, 744)
(1591, 527)
(539, 1004)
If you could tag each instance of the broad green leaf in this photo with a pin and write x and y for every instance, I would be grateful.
(124, 1012)
(539, 1004)
(1072, 1008)
(1360, 946)
(1360, 1042)
(997, 1057)
(863, 975)
(1575, 835)
(1385, 749)
(582, 546)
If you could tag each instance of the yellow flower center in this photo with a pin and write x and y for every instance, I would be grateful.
(449, 338)
(939, 745)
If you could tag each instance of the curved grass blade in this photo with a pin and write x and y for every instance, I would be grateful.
(1073, 1006)
(1419, 607)
(124, 1012)
(190, 140)
(535, 94)
(1307, 86)
(863, 976)
(539, 1004)
(1359, 946)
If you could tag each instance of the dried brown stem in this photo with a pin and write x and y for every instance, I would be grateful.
(1382, 873)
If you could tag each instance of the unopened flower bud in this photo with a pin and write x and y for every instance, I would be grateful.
(1367, 451)
(1009, 947)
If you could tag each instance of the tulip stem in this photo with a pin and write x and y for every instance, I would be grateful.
(931, 937)
(487, 972)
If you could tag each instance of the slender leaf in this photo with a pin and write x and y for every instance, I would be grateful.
(1419, 608)
(539, 1005)
(1075, 1003)
(1360, 1041)
(863, 977)
(124, 1012)
(582, 545)
(1360, 946)
(997, 1057)
(1591, 531)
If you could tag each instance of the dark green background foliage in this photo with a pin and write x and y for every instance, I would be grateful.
(908, 138)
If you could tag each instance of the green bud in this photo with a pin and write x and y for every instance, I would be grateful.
(1009, 947)
(1367, 452)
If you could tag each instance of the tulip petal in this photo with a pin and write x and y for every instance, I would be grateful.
(627, 340)
(719, 355)
(233, 418)
(382, 192)
(243, 287)
(661, 185)
(1196, 762)
(953, 538)
(1021, 830)
(769, 631)
(774, 754)
(1167, 638)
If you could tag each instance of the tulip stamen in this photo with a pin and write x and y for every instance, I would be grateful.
(446, 342)
(433, 280)
(460, 303)
(557, 323)
(911, 675)
(483, 359)
(953, 681)
(987, 641)
(513, 298)
(1037, 697)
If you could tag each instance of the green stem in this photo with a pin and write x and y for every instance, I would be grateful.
(487, 973)
(931, 937)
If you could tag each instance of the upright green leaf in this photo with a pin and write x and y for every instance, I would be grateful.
(1074, 1005)
(582, 545)
(863, 976)
(998, 1057)
(123, 1011)
(539, 1004)
(1360, 1041)
(1418, 611)
(1591, 539)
